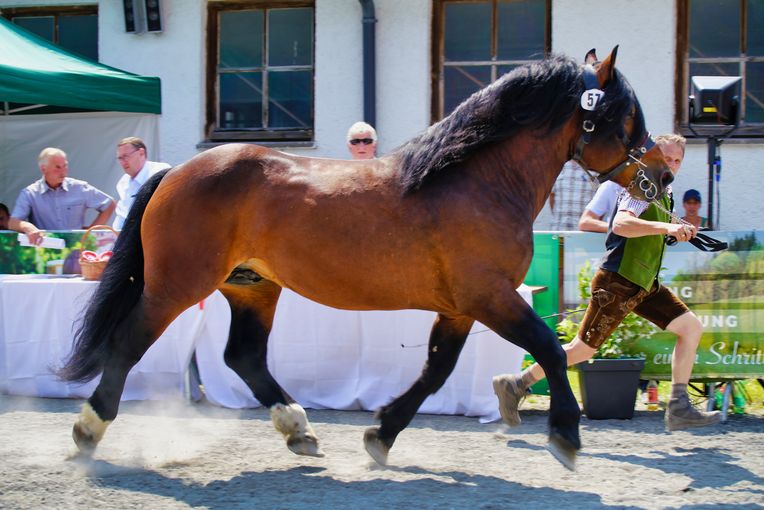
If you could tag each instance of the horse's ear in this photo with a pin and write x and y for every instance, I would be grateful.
(591, 56)
(606, 70)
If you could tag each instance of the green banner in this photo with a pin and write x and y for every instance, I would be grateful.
(17, 259)
(545, 272)
(724, 289)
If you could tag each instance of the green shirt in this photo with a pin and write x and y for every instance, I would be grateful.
(638, 259)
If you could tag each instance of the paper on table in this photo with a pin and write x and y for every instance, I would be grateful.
(47, 242)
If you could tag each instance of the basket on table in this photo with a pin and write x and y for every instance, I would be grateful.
(92, 269)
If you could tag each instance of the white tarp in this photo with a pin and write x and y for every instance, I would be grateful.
(88, 138)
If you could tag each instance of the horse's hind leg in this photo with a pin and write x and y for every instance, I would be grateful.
(253, 305)
(446, 341)
(142, 326)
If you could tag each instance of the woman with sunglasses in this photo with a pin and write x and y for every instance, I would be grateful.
(362, 141)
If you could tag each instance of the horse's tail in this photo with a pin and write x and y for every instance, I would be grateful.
(115, 297)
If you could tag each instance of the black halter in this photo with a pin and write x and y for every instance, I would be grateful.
(636, 150)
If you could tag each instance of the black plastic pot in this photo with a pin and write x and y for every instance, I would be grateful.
(609, 387)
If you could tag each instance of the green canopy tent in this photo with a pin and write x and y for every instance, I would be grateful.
(36, 71)
(52, 98)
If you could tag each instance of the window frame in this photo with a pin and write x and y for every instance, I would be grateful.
(682, 81)
(213, 134)
(54, 11)
(438, 51)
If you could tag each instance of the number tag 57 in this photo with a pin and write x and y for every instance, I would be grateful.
(591, 98)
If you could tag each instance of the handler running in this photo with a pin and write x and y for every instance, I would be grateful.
(627, 281)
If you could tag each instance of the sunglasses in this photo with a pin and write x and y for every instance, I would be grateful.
(365, 141)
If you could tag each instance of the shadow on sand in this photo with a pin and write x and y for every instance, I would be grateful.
(308, 488)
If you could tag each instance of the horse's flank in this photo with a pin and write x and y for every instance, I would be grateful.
(345, 234)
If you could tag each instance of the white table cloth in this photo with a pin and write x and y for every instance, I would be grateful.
(38, 319)
(323, 357)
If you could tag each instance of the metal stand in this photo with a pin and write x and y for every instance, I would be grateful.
(714, 176)
(711, 389)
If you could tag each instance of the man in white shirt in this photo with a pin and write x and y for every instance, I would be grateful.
(597, 213)
(132, 157)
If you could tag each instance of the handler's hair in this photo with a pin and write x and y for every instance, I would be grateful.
(671, 138)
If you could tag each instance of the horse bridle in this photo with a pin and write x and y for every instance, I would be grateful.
(635, 150)
(634, 156)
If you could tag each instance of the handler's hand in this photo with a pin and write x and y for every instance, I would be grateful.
(35, 236)
(682, 231)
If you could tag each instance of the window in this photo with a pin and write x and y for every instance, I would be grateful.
(723, 38)
(73, 28)
(260, 78)
(475, 42)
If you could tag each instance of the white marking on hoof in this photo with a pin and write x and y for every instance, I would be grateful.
(89, 428)
(293, 424)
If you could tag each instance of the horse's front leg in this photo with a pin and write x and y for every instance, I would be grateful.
(446, 341)
(514, 320)
(253, 305)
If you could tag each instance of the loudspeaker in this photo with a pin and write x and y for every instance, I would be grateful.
(134, 21)
(129, 16)
(153, 16)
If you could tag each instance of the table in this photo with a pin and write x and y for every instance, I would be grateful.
(38, 316)
(323, 357)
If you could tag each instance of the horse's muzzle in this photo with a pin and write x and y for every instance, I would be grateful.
(666, 179)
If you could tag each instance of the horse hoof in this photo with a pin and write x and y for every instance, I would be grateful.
(84, 440)
(375, 446)
(307, 446)
(562, 450)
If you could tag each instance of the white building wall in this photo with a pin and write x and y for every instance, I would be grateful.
(644, 29)
(403, 69)
(402, 73)
(177, 56)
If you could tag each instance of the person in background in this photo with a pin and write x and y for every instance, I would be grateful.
(362, 141)
(132, 157)
(627, 281)
(691, 203)
(597, 213)
(572, 190)
(5, 215)
(56, 201)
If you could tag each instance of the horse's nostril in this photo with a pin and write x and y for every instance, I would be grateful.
(667, 178)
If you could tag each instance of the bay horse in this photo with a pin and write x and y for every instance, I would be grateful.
(444, 223)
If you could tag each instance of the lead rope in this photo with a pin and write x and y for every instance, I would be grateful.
(560, 314)
(701, 241)
(646, 186)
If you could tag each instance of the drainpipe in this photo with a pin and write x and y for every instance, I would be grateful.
(369, 63)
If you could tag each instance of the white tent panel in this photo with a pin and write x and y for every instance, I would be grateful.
(89, 140)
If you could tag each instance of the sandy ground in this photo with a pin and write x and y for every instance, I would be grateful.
(179, 455)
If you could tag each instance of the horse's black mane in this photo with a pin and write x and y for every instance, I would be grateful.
(541, 94)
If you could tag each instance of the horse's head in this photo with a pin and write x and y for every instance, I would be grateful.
(613, 140)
